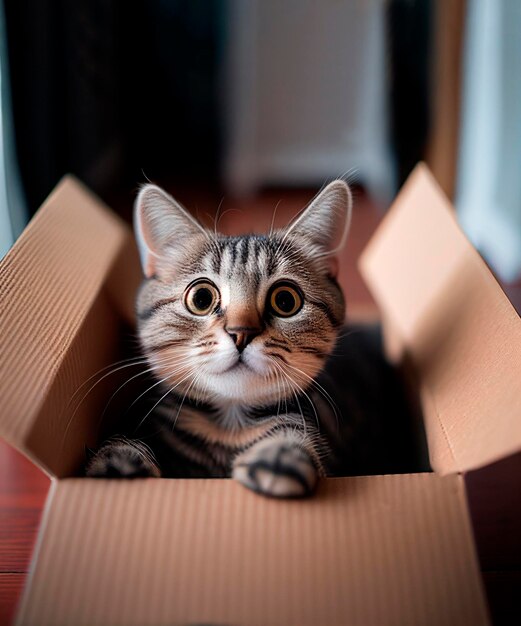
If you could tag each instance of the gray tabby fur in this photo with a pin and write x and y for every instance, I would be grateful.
(228, 409)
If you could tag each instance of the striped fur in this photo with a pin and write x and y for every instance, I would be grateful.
(237, 385)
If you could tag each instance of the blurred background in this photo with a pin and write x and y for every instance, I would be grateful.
(245, 103)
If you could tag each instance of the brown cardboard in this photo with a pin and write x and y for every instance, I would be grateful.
(367, 550)
(444, 309)
(58, 323)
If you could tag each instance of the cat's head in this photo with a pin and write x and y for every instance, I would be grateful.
(247, 319)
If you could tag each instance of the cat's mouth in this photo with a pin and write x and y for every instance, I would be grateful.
(245, 363)
(237, 366)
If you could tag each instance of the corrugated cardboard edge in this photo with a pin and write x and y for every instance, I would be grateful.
(53, 280)
(443, 310)
(382, 550)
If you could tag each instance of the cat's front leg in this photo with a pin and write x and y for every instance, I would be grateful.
(283, 465)
(120, 457)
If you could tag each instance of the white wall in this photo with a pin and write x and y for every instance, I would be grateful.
(306, 97)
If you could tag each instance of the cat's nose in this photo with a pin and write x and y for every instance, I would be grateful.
(242, 335)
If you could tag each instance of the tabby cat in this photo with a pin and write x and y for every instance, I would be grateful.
(237, 330)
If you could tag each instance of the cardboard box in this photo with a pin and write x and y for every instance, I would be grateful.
(393, 549)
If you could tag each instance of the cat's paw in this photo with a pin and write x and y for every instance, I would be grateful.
(276, 468)
(122, 458)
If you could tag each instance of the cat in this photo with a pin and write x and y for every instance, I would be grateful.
(241, 333)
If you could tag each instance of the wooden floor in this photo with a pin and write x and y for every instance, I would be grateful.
(23, 490)
(494, 493)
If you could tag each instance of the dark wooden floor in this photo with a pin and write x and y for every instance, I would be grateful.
(494, 493)
(23, 490)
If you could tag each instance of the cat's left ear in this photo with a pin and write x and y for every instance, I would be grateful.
(324, 223)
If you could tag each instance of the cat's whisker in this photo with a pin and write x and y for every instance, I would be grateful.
(276, 380)
(137, 361)
(290, 380)
(69, 422)
(325, 394)
(350, 176)
(163, 397)
(154, 367)
(279, 395)
(304, 393)
(287, 394)
(273, 219)
(194, 379)
(304, 423)
(217, 217)
(202, 392)
(144, 372)
(159, 382)
(222, 215)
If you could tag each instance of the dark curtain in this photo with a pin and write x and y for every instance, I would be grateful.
(114, 91)
(409, 27)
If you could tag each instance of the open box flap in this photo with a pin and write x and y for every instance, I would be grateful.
(443, 309)
(366, 550)
(61, 299)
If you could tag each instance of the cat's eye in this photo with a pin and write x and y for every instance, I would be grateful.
(201, 297)
(285, 299)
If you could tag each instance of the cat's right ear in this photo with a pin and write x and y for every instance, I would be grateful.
(161, 225)
(324, 224)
